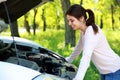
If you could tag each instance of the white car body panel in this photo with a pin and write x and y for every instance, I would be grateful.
(10, 71)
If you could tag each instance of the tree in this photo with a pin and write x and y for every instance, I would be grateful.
(14, 29)
(26, 24)
(57, 21)
(44, 20)
(101, 22)
(34, 21)
(112, 16)
(81, 2)
(69, 33)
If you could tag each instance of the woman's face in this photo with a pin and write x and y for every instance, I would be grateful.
(74, 22)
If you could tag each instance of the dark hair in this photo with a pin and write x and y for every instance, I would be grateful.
(77, 11)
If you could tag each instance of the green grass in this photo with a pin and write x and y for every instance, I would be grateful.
(54, 40)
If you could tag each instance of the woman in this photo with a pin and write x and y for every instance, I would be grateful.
(93, 45)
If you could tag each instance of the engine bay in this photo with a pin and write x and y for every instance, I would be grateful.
(41, 59)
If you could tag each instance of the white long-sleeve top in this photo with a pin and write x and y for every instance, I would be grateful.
(96, 48)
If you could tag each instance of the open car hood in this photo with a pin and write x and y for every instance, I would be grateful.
(17, 8)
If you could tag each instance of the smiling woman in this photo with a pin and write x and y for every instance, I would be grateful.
(93, 45)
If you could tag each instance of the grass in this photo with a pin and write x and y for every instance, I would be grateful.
(54, 40)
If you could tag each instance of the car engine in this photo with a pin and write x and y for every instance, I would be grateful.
(41, 59)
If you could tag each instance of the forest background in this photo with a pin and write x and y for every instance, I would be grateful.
(46, 24)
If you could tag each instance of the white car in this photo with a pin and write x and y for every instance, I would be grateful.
(29, 54)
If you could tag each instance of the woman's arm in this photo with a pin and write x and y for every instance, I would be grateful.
(90, 43)
(76, 51)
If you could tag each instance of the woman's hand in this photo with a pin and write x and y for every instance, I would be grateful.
(67, 58)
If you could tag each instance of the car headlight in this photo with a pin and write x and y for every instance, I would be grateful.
(48, 77)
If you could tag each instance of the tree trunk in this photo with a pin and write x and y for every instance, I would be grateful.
(34, 22)
(14, 29)
(101, 22)
(69, 33)
(81, 2)
(44, 20)
(26, 24)
(57, 22)
(112, 13)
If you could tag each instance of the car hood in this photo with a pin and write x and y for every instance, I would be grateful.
(17, 8)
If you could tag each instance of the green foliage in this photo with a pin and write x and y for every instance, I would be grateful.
(54, 14)
(113, 38)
